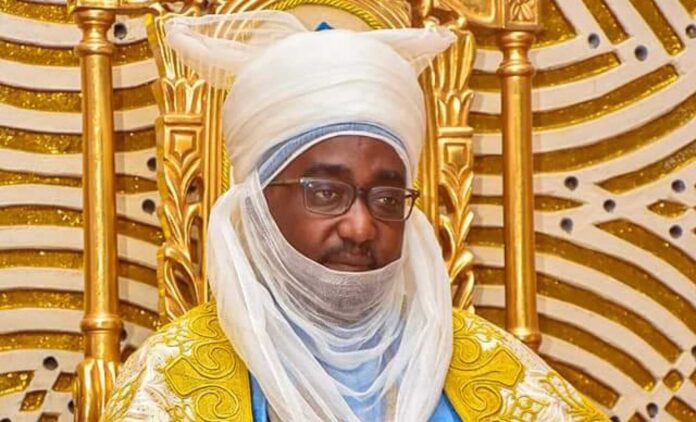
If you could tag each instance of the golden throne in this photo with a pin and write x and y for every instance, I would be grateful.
(193, 169)
(615, 292)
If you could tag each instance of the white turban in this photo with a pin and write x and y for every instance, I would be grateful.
(293, 83)
(323, 345)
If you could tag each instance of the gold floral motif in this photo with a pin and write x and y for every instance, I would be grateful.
(180, 133)
(557, 28)
(577, 405)
(522, 408)
(187, 370)
(481, 368)
(190, 371)
(208, 370)
(122, 396)
(187, 129)
(489, 379)
(446, 176)
(522, 10)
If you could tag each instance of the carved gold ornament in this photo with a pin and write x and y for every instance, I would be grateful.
(449, 160)
(522, 10)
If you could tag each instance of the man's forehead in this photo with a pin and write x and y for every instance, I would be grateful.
(346, 155)
(353, 144)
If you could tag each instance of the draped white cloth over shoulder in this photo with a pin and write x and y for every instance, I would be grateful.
(323, 345)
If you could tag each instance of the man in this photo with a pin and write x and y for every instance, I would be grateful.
(332, 302)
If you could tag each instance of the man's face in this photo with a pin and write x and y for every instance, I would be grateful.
(354, 241)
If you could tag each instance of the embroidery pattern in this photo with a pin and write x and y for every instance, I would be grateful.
(208, 371)
(480, 369)
(578, 406)
(493, 377)
(523, 408)
(123, 396)
(189, 372)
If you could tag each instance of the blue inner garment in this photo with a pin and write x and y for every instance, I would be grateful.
(444, 412)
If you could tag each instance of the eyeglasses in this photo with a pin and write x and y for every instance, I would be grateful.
(334, 198)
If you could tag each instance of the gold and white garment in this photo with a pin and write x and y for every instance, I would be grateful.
(189, 371)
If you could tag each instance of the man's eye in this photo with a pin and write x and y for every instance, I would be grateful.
(326, 194)
(390, 201)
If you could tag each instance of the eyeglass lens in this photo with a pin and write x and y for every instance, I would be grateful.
(335, 198)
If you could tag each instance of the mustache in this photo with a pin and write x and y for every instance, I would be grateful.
(362, 251)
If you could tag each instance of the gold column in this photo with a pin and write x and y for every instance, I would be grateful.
(101, 324)
(516, 73)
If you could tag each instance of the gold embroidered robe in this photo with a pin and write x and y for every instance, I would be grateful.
(189, 371)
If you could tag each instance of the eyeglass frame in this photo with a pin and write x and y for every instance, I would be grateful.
(357, 192)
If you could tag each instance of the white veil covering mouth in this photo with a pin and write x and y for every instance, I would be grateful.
(323, 345)
(295, 340)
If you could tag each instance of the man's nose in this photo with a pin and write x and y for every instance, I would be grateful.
(357, 224)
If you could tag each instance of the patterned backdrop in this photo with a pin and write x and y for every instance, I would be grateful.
(615, 181)
(615, 162)
(41, 199)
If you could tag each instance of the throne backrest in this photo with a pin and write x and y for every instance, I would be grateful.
(194, 169)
